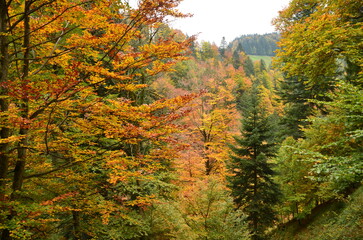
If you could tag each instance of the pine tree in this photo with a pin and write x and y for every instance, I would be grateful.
(251, 182)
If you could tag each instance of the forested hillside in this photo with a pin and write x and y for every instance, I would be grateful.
(116, 126)
(334, 220)
(262, 45)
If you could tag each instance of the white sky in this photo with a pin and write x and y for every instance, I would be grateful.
(215, 19)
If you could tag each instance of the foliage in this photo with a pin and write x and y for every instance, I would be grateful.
(297, 108)
(266, 59)
(251, 180)
(115, 126)
(82, 147)
(294, 171)
(261, 45)
(210, 213)
(323, 80)
(339, 24)
(334, 220)
(213, 117)
(334, 138)
(340, 143)
(345, 225)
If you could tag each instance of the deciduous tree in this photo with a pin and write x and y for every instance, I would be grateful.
(70, 128)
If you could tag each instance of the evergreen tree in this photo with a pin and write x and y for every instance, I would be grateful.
(300, 102)
(237, 56)
(240, 58)
(251, 183)
(249, 67)
(222, 48)
(262, 65)
(297, 109)
(255, 44)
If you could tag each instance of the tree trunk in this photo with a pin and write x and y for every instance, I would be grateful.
(24, 112)
(254, 217)
(209, 162)
(76, 225)
(4, 103)
(24, 108)
(4, 107)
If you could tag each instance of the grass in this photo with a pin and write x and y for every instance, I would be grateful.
(338, 220)
(267, 59)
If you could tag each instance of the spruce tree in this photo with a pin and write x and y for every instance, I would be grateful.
(236, 57)
(223, 46)
(263, 65)
(297, 97)
(249, 67)
(294, 94)
(251, 180)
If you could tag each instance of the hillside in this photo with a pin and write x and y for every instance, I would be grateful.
(266, 59)
(334, 220)
(262, 45)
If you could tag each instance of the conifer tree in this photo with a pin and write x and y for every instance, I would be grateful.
(248, 67)
(251, 181)
(294, 94)
(262, 65)
(223, 46)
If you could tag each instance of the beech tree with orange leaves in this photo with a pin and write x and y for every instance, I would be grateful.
(70, 132)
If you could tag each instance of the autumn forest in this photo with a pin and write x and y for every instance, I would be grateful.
(114, 125)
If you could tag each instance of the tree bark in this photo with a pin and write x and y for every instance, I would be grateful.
(76, 225)
(4, 102)
(23, 144)
(4, 107)
(24, 112)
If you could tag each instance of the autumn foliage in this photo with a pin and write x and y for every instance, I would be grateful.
(74, 128)
(113, 125)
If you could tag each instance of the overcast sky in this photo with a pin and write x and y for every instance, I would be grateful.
(214, 19)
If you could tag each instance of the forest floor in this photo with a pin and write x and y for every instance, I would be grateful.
(339, 220)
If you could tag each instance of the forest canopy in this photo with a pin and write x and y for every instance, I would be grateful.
(114, 125)
(256, 44)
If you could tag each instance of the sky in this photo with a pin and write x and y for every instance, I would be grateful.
(214, 19)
